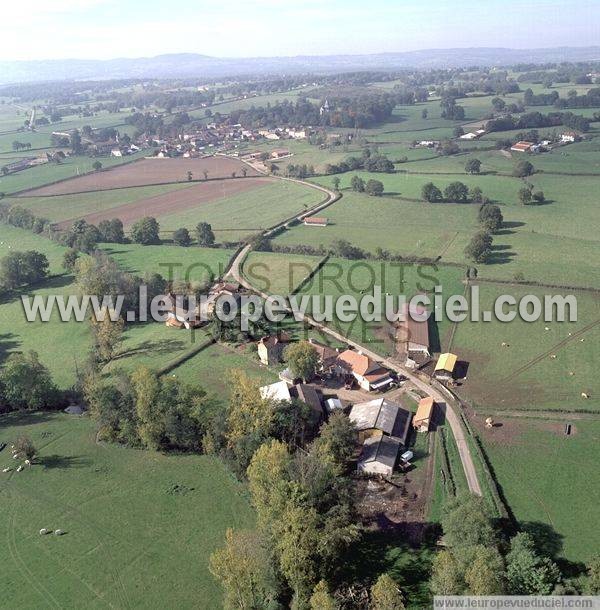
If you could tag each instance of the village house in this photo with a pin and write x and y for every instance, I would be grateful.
(370, 375)
(522, 146)
(424, 415)
(413, 335)
(315, 221)
(444, 368)
(270, 349)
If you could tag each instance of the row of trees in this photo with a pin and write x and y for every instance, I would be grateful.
(535, 120)
(369, 161)
(455, 192)
(371, 187)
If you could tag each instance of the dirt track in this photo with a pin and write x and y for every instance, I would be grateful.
(147, 171)
(174, 201)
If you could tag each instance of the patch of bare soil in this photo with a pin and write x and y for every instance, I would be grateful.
(147, 171)
(174, 201)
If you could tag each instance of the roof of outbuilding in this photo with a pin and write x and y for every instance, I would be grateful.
(382, 449)
(381, 414)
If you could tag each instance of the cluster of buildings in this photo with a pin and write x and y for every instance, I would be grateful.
(524, 146)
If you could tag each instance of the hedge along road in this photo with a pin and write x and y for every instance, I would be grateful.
(429, 387)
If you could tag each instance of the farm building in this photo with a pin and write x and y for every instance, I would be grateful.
(522, 146)
(178, 316)
(379, 456)
(424, 414)
(569, 136)
(333, 404)
(413, 333)
(276, 391)
(315, 221)
(444, 369)
(327, 355)
(381, 416)
(308, 395)
(270, 349)
(370, 375)
(279, 153)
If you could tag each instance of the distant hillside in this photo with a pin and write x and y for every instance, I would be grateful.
(194, 65)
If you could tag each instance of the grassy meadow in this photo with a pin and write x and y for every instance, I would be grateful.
(132, 538)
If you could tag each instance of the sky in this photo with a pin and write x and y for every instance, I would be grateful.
(104, 29)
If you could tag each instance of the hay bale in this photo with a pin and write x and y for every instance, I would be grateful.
(58, 532)
(44, 531)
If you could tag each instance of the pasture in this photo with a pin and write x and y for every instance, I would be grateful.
(139, 525)
(549, 479)
(523, 375)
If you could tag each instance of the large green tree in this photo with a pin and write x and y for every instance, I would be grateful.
(244, 570)
(146, 231)
(528, 572)
(23, 268)
(26, 383)
(302, 359)
(386, 594)
(204, 234)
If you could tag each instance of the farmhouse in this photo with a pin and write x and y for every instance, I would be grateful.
(522, 146)
(423, 416)
(413, 333)
(315, 221)
(270, 349)
(444, 369)
(381, 416)
(379, 456)
(369, 374)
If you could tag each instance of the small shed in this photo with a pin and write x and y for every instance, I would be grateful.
(423, 416)
(444, 369)
(333, 404)
(315, 221)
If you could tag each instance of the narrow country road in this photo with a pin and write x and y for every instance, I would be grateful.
(431, 388)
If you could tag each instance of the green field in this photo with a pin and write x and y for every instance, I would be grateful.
(223, 358)
(512, 377)
(277, 274)
(193, 264)
(550, 480)
(552, 243)
(130, 541)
